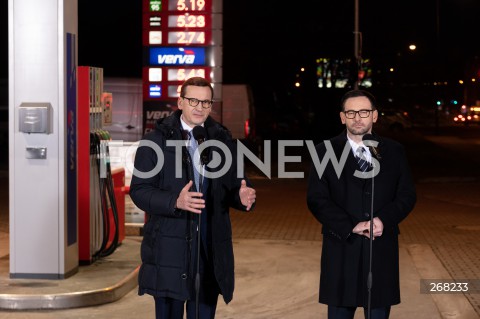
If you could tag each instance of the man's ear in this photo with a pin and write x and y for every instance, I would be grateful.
(342, 117)
(180, 103)
(375, 116)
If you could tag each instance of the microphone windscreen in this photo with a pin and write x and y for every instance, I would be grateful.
(369, 137)
(199, 133)
(371, 141)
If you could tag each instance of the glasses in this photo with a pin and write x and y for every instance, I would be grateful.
(361, 113)
(206, 104)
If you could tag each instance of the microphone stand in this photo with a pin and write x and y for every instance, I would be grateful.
(199, 133)
(199, 239)
(370, 275)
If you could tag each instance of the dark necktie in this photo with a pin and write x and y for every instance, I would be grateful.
(363, 164)
(205, 233)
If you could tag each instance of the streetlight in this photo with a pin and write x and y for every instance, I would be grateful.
(356, 48)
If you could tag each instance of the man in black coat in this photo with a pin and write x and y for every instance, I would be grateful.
(180, 204)
(341, 196)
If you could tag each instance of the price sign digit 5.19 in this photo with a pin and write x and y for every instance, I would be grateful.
(187, 5)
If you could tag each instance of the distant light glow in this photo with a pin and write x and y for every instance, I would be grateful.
(337, 73)
(412, 47)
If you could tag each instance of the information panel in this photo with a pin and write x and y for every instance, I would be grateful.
(181, 39)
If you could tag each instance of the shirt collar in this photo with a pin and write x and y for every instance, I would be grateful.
(185, 125)
(355, 146)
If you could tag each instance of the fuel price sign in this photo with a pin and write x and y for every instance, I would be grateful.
(181, 39)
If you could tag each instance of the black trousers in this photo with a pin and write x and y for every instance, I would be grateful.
(349, 312)
(169, 308)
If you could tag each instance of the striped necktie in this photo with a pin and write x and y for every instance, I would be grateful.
(363, 164)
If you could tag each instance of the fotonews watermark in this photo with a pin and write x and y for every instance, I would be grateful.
(220, 158)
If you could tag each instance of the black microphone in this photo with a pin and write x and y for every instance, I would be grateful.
(199, 133)
(374, 150)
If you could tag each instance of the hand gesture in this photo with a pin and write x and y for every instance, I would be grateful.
(247, 195)
(190, 201)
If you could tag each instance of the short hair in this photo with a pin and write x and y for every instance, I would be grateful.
(195, 81)
(358, 93)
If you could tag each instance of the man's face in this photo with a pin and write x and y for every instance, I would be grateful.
(358, 125)
(197, 115)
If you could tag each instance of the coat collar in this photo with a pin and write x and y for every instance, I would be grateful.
(171, 127)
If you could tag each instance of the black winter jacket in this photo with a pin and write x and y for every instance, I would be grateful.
(167, 248)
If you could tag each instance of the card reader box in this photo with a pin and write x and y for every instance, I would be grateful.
(35, 118)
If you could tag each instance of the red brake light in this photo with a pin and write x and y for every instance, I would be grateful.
(247, 128)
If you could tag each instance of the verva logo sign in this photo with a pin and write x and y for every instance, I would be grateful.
(155, 115)
(177, 56)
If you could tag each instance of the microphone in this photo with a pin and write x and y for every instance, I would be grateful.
(373, 149)
(199, 133)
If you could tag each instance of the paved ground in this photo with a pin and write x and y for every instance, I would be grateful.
(278, 247)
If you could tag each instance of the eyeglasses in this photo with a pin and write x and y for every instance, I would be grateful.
(206, 104)
(361, 113)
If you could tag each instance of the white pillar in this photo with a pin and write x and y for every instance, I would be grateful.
(42, 69)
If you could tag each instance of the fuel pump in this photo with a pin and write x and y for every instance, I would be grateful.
(107, 202)
(99, 222)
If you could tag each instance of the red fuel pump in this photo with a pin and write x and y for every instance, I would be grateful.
(101, 196)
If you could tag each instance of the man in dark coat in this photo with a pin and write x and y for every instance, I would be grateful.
(166, 187)
(340, 197)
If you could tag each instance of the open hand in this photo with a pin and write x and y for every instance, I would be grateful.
(190, 201)
(247, 195)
